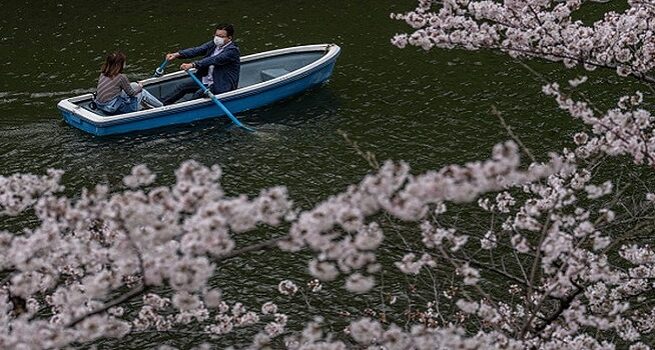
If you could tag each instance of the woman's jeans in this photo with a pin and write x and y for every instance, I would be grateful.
(124, 103)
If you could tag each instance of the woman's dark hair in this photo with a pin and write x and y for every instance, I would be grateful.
(226, 27)
(113, 64)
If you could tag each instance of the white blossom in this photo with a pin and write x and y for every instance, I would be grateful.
(358, 283)
(287, 287)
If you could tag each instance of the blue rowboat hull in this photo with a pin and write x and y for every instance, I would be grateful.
(256, 95)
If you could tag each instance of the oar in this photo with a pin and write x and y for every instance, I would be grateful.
(207, 92)
(160, 70)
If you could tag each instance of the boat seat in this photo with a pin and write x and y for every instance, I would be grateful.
(98, 111)
(268, 74)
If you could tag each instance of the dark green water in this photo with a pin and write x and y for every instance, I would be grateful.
(427, 108)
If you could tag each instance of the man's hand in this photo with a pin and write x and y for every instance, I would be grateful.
(186, 66)
(172, 56)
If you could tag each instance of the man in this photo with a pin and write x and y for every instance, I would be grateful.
(219, 67)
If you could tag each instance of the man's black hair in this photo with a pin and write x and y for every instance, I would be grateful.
(226, 27)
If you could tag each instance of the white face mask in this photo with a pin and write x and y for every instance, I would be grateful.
(219, 41)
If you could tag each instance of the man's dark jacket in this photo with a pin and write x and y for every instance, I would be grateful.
(227, 64)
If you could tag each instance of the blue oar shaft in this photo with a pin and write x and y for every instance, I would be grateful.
(160, 70)
(218, 102)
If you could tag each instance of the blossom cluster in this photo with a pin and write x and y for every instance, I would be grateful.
(624, 130)
(537, 28)
(91, 254)
(336, 229)
(101, 247)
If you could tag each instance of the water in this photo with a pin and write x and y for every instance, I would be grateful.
(427, 108)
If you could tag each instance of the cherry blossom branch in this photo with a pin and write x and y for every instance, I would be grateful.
(565, 303)
(537, 29)
(497, 113)
(136, 291)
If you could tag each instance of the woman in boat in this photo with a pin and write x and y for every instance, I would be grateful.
(218, 69)
(115, 94)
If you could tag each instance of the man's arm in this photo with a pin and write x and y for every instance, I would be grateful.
(228, 56)
(194, 51)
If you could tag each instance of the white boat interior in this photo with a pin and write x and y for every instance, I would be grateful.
(255, 69)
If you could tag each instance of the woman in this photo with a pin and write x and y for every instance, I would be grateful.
(115, 93)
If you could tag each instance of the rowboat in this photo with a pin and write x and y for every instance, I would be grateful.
(266, 77)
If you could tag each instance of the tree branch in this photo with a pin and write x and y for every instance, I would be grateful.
(140, 289)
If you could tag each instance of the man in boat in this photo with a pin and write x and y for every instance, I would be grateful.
(218, 69)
